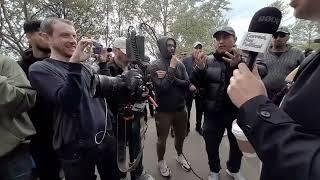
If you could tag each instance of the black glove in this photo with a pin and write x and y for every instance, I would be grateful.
(132, 80)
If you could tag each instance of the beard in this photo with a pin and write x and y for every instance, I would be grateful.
(45, 50)
(280, 46)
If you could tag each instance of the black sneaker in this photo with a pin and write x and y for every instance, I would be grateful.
(172, 132)
(200, 131)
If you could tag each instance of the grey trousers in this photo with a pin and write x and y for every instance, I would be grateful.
(164, 120)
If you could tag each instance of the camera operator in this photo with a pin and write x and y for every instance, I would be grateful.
(41, 115)
(286, 139)
(119, 65)
(82, 127)
(171, 83)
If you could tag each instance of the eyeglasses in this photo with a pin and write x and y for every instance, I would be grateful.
(281, 35)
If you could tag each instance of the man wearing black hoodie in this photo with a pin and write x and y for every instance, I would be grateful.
(41, 143)
(212, 74)
(170, 81)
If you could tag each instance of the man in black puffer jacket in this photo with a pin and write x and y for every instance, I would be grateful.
(171, 83)
(212, 74)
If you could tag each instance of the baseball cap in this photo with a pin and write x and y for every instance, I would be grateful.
(283, 29)
(196, 44)
(226, 29)
(121, 44)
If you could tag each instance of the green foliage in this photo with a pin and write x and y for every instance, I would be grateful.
(283, 7)
(304, 33)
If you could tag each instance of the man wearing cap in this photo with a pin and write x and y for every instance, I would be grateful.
(212, 73)
(280, 60)
(189, 63)
(117, 67)
(41, 143)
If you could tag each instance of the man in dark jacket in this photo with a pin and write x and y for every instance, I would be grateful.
(213, 73)
(82, 127)
(117, 67)
(170, 81)
(40, 115)
(194, 93)
(286, 139)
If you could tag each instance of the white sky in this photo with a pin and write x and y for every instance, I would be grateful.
(242, 11)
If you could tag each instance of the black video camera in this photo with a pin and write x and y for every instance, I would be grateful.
(97, 48)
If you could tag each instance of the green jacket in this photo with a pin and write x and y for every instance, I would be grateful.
(16, 98)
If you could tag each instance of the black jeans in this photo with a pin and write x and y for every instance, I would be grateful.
(79, 162)
(17, 164)
(199, 111)
(213, 130)
(46, 159)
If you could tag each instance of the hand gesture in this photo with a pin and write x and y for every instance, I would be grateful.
(192, 88)
(104, 56)
(201, 60)
(80, 55)
(234, 59)
(161, 74)
(174, 61)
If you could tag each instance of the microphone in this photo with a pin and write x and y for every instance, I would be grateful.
(265, 21)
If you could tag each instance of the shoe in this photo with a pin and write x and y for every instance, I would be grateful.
(236, 176)
(213, 176)
(183, 163)
(164, 170)
(145, 176)
(188, 131)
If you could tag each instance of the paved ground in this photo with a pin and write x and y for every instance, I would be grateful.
(194, 150)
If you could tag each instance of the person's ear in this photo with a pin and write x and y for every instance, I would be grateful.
(45, 36)
(29, 36)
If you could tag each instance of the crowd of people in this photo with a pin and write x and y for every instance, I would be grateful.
(61, 113)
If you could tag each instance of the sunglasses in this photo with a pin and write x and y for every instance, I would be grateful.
(281, 35)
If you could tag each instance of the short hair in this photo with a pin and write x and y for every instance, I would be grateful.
(47, 24)
(32, 26)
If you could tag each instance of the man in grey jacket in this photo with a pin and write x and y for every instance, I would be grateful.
(280, 60)
(16, 98)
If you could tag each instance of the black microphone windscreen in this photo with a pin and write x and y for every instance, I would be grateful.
(266, 20)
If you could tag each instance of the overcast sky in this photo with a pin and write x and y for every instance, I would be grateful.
(242, 12)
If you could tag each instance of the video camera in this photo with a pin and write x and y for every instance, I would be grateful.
(97, 48)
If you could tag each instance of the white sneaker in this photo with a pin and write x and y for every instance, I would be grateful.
(183, 163)
(213, 176)
(145, 176)
(164, 170)
(236, 176)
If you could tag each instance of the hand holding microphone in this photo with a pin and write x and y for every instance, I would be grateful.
(244, 84)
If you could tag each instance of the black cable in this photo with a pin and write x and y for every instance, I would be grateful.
(196, 174)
